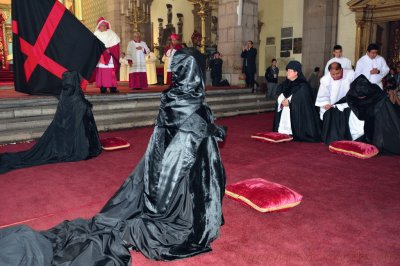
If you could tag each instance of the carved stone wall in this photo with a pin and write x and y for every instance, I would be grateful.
(232, 37)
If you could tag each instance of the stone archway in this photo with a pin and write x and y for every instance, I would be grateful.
(375, 19)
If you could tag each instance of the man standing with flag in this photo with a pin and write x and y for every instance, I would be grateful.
(107, 68)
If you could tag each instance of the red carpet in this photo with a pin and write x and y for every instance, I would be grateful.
(350, 214)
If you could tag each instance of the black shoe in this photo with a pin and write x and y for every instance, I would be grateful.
(114, 90)
(103, 90)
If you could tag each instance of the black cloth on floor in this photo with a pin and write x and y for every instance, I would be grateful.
(71, 136)
(335, 125)
(304, 118)
(170, 207)
(382, 118)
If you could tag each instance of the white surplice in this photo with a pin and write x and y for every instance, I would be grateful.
(138, 57)
(365, 64)
(285, 126)
(331, 91)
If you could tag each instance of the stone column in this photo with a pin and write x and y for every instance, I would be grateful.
(319, 33)
(232, 37)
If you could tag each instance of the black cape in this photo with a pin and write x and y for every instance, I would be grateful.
(71, 136)
(382, 118)
(335, 125)
(303, 115)
(170, 207)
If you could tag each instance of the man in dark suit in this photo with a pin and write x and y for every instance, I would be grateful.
(249, 54)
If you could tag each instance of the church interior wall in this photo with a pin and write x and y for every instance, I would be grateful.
(274, 15)
(289, 13)
(346, 35)
(293, 17)
(277, 15)
(270, 13)
(159, 10)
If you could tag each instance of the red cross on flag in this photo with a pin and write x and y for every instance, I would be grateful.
(47, 41)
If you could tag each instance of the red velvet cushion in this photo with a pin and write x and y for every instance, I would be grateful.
(272, 137)
(353, 148)
(115, 143)
(262, 195)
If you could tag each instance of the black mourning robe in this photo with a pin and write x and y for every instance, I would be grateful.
(71, 136)
(335, 125)
(304, 118)
(170, 207)
(382, 118)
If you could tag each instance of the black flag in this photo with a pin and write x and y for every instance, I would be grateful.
(47, 41)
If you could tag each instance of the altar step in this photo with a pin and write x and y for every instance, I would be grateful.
(25, 119)
(6, 76)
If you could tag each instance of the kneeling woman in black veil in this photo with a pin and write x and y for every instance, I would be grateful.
(170, 207)
(71, 136)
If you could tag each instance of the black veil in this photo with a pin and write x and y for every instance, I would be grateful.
(382, 118)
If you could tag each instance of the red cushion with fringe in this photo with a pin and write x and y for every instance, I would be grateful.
(262, 195)
(353, 148)
(272, 137)
(114, 143)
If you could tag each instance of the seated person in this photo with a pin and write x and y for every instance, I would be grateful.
(216, 71)
(382, 118)
(338, 122)
(295, 113)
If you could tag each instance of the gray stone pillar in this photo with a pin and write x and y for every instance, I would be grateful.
(319, 33)
(232, 37)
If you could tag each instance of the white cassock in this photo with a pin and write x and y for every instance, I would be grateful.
(285, 126)
(331, 91)
(123, 70)
(151, 70)
(365, 64)
(138, 57)
(344, 62)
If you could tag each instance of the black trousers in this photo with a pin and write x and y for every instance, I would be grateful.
(249, 79)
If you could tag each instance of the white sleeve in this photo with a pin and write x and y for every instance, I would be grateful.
(280, 100)
(348, 64)
(341, 106)
(359, 68)
(129, 51)
(385, 69)
(146, 48)
(323, 96)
